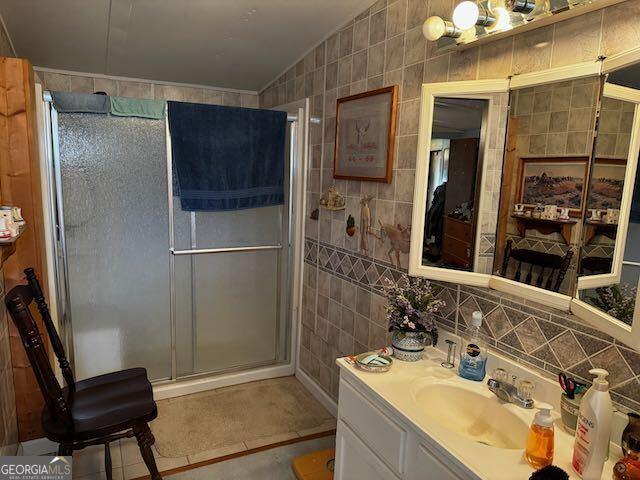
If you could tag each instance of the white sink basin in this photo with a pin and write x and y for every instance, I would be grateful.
(479, 417)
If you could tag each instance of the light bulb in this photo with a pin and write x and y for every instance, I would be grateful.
(435, 27)
(466, 14)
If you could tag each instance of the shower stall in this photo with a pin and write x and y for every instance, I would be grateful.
(202, 296)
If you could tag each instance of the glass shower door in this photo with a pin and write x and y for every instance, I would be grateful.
(231, 271)
(111, 178)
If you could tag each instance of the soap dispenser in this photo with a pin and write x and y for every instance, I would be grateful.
(473, 353)
(539, 451)
(593, 430)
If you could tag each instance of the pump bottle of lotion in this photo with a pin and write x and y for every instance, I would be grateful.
(593, 429)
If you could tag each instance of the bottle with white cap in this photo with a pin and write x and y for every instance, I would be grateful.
(540, 441)
(591, 444)
(473, 352)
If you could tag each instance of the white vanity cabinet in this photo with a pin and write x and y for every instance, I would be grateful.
(375, 443)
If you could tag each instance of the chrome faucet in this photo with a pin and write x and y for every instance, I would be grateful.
(518, 392)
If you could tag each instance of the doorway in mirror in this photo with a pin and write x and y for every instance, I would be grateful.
(453, 186)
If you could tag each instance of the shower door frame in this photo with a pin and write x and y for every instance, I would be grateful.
(298, 122)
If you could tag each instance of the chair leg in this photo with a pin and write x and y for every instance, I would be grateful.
(145, 440)
(65, 450)
(107, 461)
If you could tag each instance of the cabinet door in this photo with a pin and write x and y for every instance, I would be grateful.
(425, 463)
(355, 461)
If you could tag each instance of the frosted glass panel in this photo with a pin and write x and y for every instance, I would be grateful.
(114, 192)
(236, 309)
(255, 226)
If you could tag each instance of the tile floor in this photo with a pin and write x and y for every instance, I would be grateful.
(88, 464)
(272, 464)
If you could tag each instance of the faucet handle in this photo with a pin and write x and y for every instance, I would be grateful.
(526, 389)
(500, 375)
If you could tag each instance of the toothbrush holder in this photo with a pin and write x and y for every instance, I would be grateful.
(569, 409)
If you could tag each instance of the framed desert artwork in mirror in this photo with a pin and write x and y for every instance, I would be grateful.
(553, 181)
(365, 135)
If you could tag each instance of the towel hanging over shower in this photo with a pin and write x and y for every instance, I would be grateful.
(227, 158)
(67, 102)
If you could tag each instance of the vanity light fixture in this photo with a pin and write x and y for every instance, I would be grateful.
(469, 14)
(529, 8)
(435, 27)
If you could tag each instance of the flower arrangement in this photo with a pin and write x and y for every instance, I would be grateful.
(412, 305)
(616, 300)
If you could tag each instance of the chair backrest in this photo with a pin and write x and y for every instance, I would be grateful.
(18, 301)
(549, 268)
(596, 265)
(56, 343)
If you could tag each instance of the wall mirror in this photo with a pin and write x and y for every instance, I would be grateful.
(609, 266)
(462, 128)
(544, 183)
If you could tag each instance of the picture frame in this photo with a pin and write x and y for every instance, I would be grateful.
(365, 135)
(607, 183)
(559, 181)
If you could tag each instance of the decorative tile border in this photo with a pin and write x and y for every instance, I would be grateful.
(366, 272)
(544, 338)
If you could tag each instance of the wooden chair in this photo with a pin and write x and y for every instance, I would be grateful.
(95, 411)
(596, 265)
(551, 269)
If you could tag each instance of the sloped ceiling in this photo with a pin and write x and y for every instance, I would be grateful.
(239, 44)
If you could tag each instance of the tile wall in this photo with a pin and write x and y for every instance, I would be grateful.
(85, 83)
(343, 310)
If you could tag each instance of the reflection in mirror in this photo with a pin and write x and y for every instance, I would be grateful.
(455, 167)
(608, 226)
(605, 187)
(549, 142)
(618, 299)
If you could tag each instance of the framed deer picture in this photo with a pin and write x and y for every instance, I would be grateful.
(365, 135)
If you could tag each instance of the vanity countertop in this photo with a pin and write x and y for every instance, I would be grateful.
(399, 389)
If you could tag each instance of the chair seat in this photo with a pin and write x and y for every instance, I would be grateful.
(106, 404)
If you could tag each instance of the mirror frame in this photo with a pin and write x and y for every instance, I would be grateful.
(472, 89)
(560, 301)
(627, 334)
(604, 279)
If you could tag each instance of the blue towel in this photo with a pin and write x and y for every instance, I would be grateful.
(67, 102)
(227, 158)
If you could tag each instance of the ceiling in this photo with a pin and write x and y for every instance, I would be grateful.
(240, 44)
(457, 117)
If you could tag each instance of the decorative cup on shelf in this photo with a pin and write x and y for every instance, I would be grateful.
(6, 214)
(17, 214)
(527, 213)
(4, 231)
(550, 212)
(613, 214)
(518, 209)
(596, 215)
(564, 213)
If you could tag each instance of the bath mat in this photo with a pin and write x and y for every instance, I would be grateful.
(231, 415)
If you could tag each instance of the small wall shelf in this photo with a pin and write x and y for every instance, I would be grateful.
(593, 228)
(8, 245)
(563, 227)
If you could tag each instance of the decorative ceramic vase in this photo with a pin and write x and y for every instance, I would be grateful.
(408, 346)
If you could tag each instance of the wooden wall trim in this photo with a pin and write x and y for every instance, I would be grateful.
(20, 186)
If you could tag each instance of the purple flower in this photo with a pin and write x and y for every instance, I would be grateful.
(411, 304)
